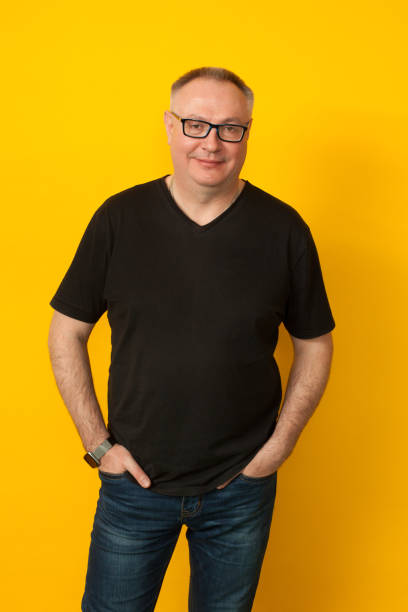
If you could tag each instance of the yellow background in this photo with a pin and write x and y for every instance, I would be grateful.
(85, 85)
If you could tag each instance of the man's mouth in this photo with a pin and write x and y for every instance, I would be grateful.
(209, 162)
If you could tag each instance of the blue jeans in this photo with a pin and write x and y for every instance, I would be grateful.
(135, 532)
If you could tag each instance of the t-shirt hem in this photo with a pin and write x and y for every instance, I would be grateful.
(311, 333)
(163, 490)
(72, 311)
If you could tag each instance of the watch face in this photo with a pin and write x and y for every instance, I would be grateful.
(89, 459)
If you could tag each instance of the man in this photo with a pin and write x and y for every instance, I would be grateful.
(196, 271)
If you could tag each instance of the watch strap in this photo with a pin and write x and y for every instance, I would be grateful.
(100, 450)
(94, 457)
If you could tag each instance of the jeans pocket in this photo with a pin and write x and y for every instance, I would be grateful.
(255, 479)
(111, 475)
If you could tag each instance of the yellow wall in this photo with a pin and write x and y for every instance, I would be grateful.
(85, 86)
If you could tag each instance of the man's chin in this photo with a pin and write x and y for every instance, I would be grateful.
(209, 179)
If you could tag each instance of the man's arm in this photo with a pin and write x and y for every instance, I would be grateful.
(307, 381)
(67, 344)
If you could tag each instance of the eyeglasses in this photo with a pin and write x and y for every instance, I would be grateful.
(195, 128)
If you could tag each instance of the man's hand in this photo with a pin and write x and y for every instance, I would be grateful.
(262, 464)
(118, 460)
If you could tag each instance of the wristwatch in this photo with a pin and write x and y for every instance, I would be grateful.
(94, 457)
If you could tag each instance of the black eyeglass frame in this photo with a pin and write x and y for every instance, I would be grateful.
(210, 126)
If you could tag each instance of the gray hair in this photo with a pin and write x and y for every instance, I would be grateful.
(217, 74)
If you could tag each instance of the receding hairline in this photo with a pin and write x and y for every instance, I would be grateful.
(222, 75)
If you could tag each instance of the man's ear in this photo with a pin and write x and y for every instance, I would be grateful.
(169, 123)
(249, 128)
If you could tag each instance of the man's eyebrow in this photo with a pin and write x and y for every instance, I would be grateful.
(227, 120)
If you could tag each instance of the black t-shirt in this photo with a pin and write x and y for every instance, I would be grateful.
(194, 390)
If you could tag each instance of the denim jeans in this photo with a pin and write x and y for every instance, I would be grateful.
(135, 531)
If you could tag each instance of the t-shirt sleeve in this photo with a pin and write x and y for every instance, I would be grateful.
(308, 313)
(81, 292)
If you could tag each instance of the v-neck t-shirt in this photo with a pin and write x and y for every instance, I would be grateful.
(194, 390)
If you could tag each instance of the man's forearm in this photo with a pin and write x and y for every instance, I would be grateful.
(307, 381)
(72, 370)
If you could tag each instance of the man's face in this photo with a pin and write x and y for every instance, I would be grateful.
(207, 161)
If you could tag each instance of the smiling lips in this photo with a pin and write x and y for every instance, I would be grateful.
(208, 162)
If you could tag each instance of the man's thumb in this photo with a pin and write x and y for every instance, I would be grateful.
(141, 477)
(145, 481)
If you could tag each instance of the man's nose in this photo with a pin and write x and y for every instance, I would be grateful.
(211, 142)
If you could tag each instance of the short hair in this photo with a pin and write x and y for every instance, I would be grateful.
(217, 74)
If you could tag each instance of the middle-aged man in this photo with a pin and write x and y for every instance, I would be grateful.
(196, 271)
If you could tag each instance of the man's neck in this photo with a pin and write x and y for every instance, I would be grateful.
(203, 203)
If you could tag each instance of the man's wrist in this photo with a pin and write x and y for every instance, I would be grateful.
(278, 446)
(95, 442)
(93, 457)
